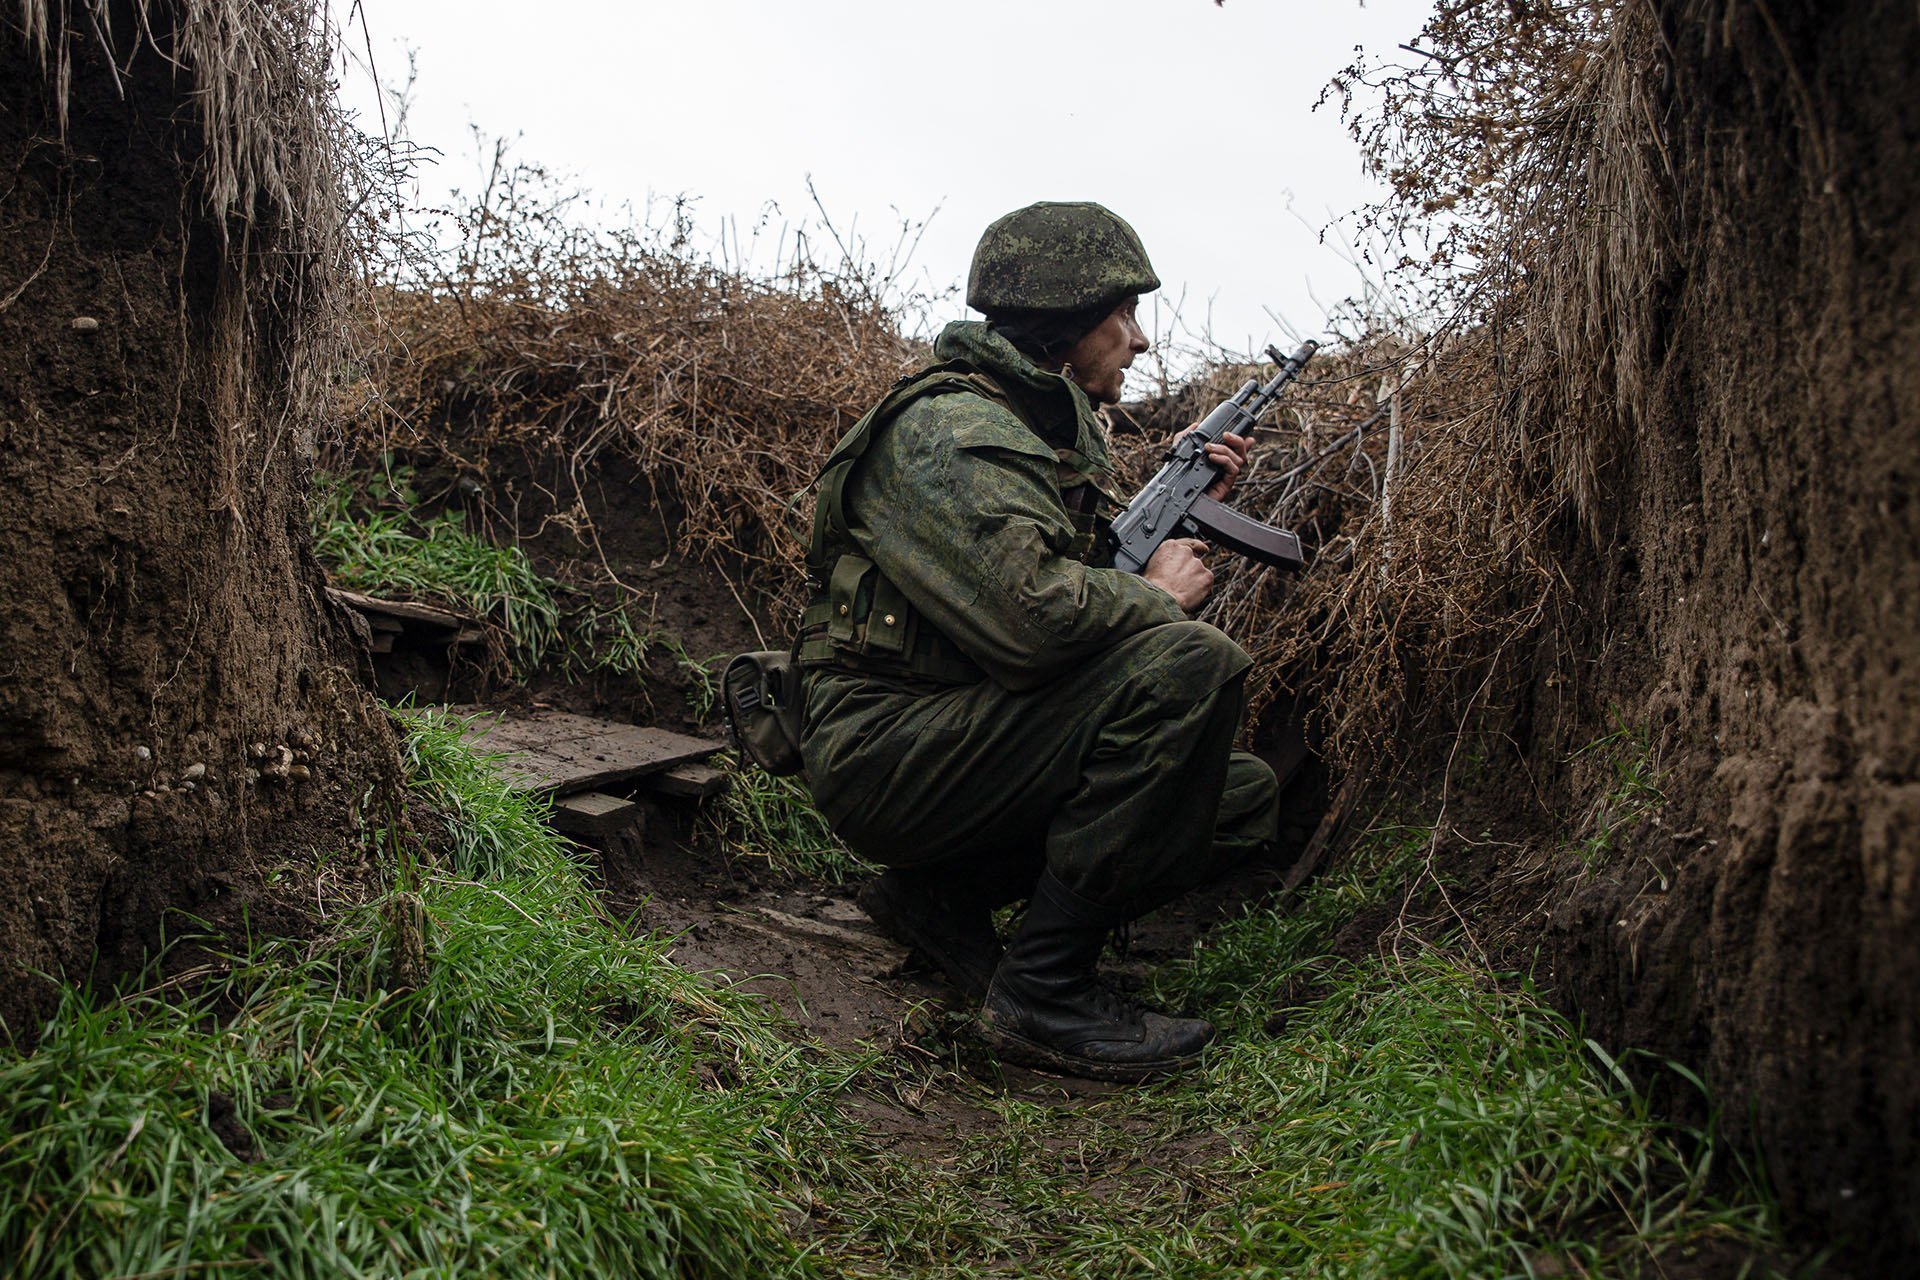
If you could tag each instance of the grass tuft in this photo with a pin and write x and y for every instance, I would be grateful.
(482, 1074)
(368, 549)
(774, 820)
(1413, 1115)
(1630, 793)
(526, 1102)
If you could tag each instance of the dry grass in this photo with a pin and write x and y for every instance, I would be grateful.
(536, 338)
(1430, 472)
(1423, 553)
(1525, 206)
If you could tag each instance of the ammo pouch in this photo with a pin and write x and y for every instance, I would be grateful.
(761, 696)
(864, 623)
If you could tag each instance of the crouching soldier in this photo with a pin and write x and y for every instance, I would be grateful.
(992, 712)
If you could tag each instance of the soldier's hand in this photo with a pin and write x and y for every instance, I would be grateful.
(1176, 568)
(1230, 455)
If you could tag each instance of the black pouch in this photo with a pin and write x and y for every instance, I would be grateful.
(760, 693)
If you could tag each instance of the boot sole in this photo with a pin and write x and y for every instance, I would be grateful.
(1023, 1052)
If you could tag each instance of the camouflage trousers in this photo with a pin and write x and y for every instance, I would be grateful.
(1120, 776)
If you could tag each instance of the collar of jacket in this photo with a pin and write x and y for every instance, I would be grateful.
(1055, 407)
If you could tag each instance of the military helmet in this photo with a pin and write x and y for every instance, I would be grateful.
(1055, 256)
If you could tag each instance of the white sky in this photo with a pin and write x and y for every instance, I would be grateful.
(1192, 120)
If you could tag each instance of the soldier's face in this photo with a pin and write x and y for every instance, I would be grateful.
(1098, 362)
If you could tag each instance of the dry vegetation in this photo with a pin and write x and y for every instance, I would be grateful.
(536, 337)
(1444, 473)
(1521, 217)
(1422, 566)
(289, 185)
(1411, 460)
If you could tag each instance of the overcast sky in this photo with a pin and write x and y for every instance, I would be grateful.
(1193, 120)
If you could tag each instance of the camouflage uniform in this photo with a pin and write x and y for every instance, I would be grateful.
(1059, 713)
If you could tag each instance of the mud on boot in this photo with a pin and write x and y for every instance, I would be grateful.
(930, 911)
(1046, 1007)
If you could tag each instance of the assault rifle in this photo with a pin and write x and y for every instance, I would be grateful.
(1175, 503)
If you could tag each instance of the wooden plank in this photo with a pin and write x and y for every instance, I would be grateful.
(403, 610)
(554, 751)
(594, 813)
(689, 781)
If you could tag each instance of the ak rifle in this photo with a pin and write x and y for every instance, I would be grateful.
(1174, 504)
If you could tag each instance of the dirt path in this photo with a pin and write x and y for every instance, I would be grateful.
(810, 952)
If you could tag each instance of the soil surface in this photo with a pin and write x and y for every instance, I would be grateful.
(808, 949)
(1748, 636)
(179, 707)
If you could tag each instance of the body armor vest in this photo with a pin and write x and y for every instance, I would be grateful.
(856, 618)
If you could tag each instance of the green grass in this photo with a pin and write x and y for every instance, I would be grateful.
(531, 1104)
(374, 541)
(370, 547)
(1415, 1117)
(610, 640)
(478, 1073)
(1633, 790)
(773, 820)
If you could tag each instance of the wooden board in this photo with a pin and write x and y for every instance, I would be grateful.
(594, 813)
(561, 753)
(689, 781)
(393, 615)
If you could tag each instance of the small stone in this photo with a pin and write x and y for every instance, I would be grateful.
(258, 751)
(143, 754)
(299, 773)
(194, 772)
(84, 324)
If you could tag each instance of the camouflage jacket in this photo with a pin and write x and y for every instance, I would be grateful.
(964, 507)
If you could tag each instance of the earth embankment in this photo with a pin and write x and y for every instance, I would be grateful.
(1737, 316)
(164, 272)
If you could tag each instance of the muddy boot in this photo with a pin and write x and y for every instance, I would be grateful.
(1045, 1008)
(947, 923)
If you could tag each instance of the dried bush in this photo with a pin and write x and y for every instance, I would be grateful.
(1484, 427)
(1421, 568)
(1420, 486)
(536, 336)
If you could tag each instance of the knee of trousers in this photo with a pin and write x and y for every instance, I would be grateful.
(1180, 663)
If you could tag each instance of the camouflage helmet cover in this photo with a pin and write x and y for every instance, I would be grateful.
(1054, 256)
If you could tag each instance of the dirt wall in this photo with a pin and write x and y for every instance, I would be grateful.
(1753, 597)
(164, 614)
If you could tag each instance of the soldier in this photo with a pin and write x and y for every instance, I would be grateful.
(994, 713)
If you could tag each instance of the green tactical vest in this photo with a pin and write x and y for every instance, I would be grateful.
(857, 619)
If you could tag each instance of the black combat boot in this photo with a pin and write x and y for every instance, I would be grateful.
(1045, 1008)
(937, 912)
